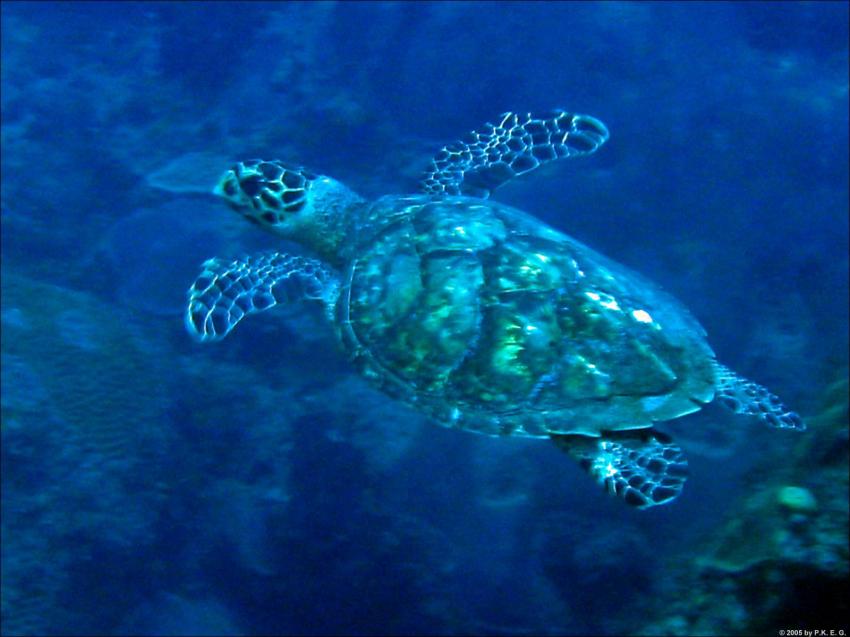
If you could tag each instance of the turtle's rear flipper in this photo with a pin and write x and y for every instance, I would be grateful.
(746, 397)
(519, 143)
(229, 289)
(643, 466)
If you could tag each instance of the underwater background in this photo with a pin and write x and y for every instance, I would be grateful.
(152, 485)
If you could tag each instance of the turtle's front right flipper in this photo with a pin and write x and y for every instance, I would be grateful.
(230, 289)
(494, 154)
(644, 467)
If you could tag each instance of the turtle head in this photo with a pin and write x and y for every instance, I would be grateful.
(291, 202)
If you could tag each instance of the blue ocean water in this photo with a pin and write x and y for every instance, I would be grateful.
(153, 485)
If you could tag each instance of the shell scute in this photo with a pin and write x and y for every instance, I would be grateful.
(476, 309)
(416, 308)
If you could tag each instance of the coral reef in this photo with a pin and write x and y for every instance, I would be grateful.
(143, 266)
(589, 567)
(381, 430)
(797, 499)
(781, 559)
(82, 435)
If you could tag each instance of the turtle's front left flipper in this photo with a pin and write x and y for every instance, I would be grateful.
(230, 289)
(642, 466)
(488, 157)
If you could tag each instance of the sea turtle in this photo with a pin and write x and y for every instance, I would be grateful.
(481, 316)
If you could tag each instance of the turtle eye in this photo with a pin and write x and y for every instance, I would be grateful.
(229, 187)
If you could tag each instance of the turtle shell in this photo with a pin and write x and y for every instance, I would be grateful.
(488, 319)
